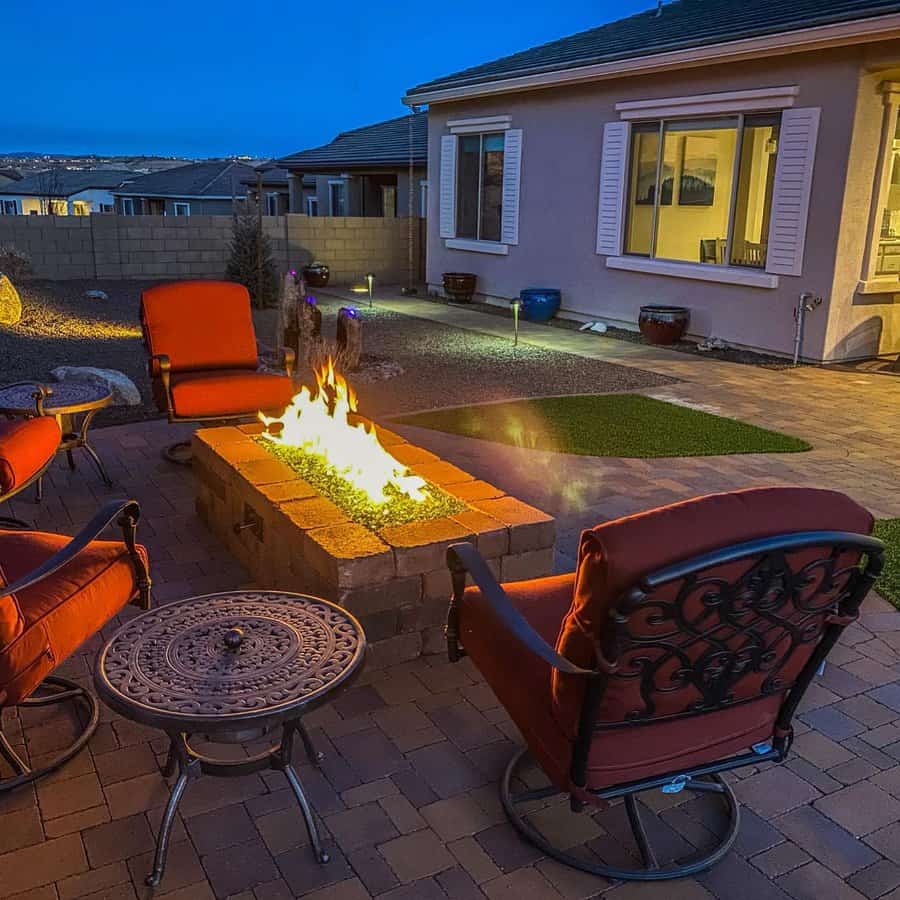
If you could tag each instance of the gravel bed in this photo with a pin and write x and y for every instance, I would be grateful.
(442, 365)
(60, 326)
(446, 366)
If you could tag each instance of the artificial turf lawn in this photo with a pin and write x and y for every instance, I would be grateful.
(888, 584)
(623, 425)
(398, 510)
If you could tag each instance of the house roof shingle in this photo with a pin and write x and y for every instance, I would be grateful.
(383, 144)
(679, 25)
(65, 182)
(206, 179)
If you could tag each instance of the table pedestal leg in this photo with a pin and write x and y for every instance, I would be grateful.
(314, 756)
(282, 761)
(187, 769)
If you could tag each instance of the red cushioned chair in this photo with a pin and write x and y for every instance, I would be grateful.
(55, 593)
(27, 448)
(678, 650)
(203, 358)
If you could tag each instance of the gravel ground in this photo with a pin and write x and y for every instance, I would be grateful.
(442, 366)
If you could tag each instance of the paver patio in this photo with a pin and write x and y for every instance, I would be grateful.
(407, 791)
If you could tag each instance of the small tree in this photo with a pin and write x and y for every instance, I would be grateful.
(251, 261)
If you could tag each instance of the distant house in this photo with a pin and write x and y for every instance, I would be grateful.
(61, 192)
(364, 172)
(275, 184)
(199, 189)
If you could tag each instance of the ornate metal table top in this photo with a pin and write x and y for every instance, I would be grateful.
(64, 397)
(239, 658)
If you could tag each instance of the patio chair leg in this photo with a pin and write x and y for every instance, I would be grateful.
(63, 690)
(652, 870)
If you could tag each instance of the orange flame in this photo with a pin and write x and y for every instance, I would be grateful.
(319, 424)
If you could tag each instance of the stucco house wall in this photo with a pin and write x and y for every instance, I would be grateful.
(558, 205)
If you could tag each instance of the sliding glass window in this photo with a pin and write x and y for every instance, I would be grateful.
(700, 190)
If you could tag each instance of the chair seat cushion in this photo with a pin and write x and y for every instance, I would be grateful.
(521, 681)
(26, 445)
(59, 613)
(230, 392)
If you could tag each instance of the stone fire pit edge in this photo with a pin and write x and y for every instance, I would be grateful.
(395, 580)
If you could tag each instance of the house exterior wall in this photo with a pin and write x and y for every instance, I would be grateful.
(356, 203)
(558, 205)
(199, 207)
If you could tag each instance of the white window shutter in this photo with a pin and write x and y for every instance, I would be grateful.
(448, 186)
(512, 168)
(613, 166)
(791, 192)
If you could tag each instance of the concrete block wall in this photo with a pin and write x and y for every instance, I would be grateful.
(148, 247)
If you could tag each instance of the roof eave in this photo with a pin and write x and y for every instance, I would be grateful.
(345, 166)
(857, 31)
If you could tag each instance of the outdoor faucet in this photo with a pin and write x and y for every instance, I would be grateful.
(807, 303)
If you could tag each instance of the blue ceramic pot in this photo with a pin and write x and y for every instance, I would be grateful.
(539, 304)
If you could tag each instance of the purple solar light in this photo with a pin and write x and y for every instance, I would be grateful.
(311, 300)
(294, 272)
(350, 312)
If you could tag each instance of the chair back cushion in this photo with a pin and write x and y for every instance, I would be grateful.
(745, 627)
(26, 446)
(200, 325)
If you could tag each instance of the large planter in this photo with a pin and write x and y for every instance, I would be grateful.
(316, 275)
(539, 304)
(459, 286)
(664, 324)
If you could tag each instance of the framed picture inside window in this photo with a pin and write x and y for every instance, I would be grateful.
(697, 186)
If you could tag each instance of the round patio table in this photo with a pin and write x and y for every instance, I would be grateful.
(73, 403)
(231, 667)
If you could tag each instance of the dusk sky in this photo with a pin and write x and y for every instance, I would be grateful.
(201, 78)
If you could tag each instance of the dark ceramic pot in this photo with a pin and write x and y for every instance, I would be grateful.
(540, 304)
(460, 285)
(664, 324)
(316, 275)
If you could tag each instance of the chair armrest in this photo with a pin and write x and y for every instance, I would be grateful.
(126, 511)
(464, 558)
(290, 361)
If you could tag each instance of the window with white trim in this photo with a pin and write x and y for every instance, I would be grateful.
(312, 206)
(127, 206)
(181, 209)
(480, 169)
(883, 258)
(272, 204)
(423, 199)
(479, 186)
(700, 190)
(10, 208)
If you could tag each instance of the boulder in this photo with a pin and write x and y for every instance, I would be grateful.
(10, 304)
(123, 389)
(96, 295)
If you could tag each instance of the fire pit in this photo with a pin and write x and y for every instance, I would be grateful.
(324, 502)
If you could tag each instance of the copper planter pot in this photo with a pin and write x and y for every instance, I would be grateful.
(460, 286)
(664, 324)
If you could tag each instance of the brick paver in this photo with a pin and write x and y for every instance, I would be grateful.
(407, 792)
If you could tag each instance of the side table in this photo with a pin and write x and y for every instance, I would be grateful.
(231, 666)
